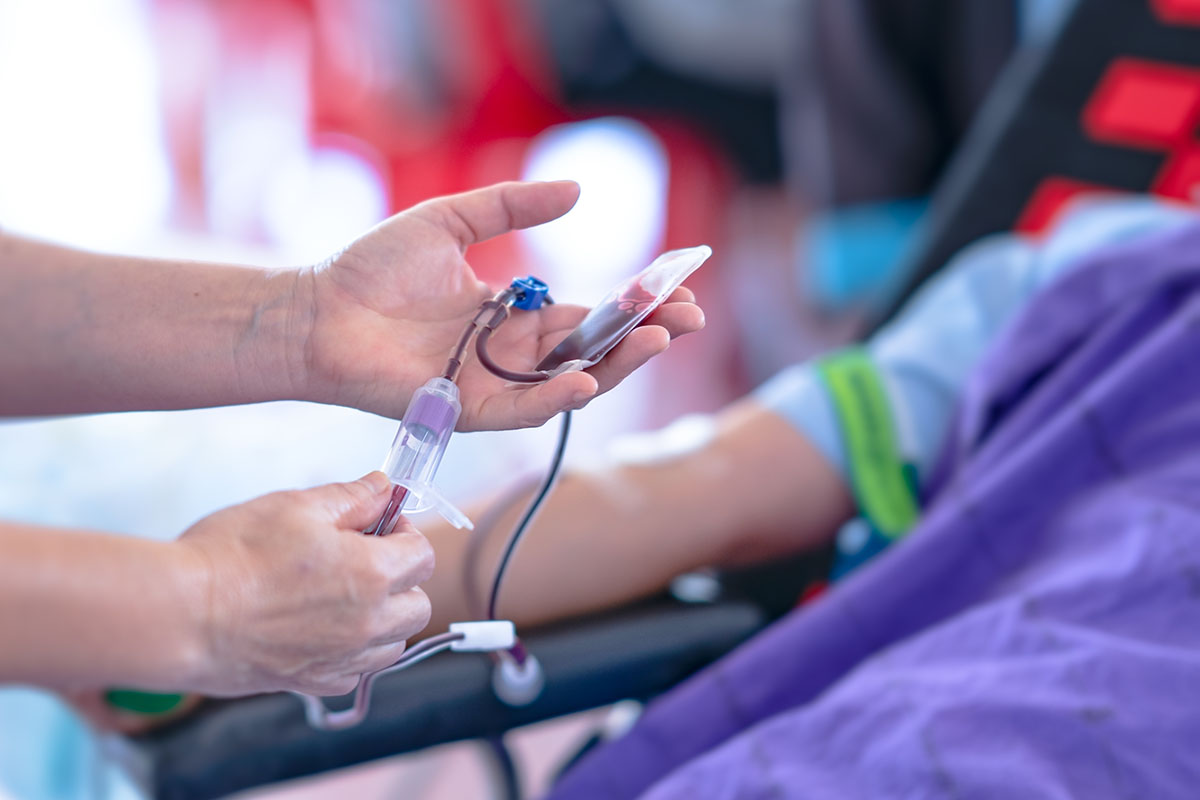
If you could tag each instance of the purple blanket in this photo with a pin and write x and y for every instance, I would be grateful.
(1037, 636)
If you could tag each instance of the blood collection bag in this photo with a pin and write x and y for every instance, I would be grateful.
(622, 310)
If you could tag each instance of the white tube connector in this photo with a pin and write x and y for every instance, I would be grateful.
(484, 636)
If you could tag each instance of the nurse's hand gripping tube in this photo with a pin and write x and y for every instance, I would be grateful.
(411, 465)
(622, 310)
(416, 453)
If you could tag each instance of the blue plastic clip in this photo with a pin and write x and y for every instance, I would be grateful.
(530, 292)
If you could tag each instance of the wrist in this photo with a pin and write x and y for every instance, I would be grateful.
(310, 377)
(275, 344)
(338, 355)
(188, 641)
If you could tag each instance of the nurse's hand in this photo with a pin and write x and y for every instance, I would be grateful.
(297, 598)
(381, 317)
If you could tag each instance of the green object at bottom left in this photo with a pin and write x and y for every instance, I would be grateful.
(142, 702)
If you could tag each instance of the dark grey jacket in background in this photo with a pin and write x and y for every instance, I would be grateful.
(881, 91)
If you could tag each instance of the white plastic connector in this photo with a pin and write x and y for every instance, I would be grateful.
(484, 636)
(518, 684)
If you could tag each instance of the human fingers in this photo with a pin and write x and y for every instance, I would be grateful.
(344, 677)
(354, 505)
(641, 345)
(474, 216)
(682, 294)
(405, 557)
(679, 318)
(571, 392)
(402, 617)
(376, 658)
(327, 684)
(532, 406)
(680, 307)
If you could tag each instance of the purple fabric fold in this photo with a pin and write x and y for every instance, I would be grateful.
(1038, 635)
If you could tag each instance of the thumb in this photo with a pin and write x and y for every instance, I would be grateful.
(472, 217)
(353, 505)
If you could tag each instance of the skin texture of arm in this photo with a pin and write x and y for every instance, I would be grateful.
(757, 490)
(281, 592)
(77, 606)
(110, 333)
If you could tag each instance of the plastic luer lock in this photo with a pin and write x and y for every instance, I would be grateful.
(417, 452)
(622, 310)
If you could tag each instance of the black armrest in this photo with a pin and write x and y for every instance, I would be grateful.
(228, 746)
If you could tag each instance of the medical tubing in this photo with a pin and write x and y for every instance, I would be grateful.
(510, 782)
(518, 652)
(482, 532)
(391, 513)
(481, 342)
(530, 512)
(485, 358)
(497, 309)
(321, 718)
(454, 364)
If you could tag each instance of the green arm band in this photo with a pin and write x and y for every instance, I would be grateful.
(878, 478)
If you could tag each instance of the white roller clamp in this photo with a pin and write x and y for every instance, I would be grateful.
(483, 636)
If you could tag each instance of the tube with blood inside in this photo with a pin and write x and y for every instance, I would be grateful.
(416, 453)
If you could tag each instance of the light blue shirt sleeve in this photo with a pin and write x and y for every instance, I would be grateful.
(926, 354)
(798, 395)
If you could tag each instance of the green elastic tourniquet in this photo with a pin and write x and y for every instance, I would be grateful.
(877, 471)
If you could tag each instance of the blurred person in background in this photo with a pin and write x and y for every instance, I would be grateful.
(235, 605)
(1072, 625)
(855, 107)
(773, 474)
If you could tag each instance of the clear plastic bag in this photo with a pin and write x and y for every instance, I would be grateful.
(623, 309)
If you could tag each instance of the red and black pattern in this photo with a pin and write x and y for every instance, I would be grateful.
(1111, 105)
